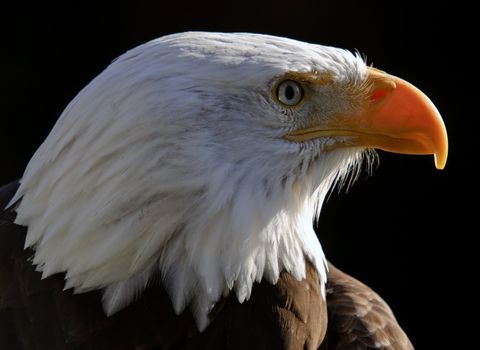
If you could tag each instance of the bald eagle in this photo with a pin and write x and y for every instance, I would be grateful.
(171, 205)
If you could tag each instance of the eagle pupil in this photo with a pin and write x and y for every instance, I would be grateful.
(289, 92)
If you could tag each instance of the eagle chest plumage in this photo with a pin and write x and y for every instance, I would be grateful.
(171, 206)
(39, 314)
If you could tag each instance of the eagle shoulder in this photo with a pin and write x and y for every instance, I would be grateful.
(359, 318)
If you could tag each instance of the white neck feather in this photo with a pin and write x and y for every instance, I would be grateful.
(136, 181)
(201, 247)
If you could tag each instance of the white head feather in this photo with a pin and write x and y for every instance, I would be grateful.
(172, 162)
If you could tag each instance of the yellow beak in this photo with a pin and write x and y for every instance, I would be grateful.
(398, 118)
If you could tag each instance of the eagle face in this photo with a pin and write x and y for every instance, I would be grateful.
(201, 158)
(236, 97)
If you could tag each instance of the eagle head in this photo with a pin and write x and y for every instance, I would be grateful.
(202, 158)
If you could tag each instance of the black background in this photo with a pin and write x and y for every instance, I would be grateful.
(406, 231)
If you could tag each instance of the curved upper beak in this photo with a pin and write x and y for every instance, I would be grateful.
(397, 117)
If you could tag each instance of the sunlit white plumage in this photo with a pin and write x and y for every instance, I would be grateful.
(171, 164)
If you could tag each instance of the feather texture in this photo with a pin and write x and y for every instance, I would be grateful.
(359, 318)
(38, 314)
(171, 162)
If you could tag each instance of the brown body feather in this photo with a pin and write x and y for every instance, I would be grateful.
(359, 319)
(38, 314)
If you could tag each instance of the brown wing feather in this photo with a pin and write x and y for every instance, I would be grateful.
(38, 314)
(358, 318)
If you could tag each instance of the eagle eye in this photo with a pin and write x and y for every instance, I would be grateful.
(289, 92)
